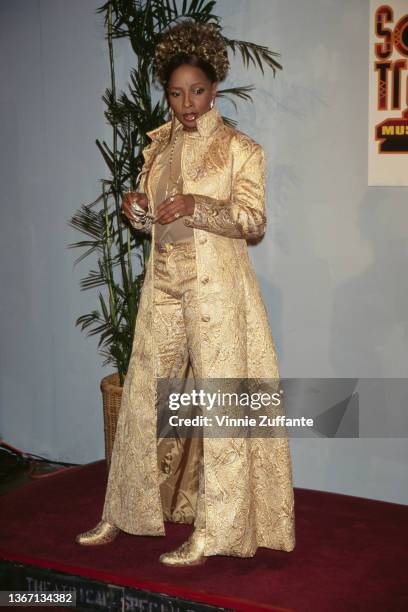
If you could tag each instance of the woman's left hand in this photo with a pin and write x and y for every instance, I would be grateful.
(174, 207)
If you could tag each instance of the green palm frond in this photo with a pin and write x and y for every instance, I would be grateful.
(87, 320)
(252, 53)
(239, 92)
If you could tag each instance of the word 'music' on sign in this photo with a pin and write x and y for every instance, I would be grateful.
(388, 94)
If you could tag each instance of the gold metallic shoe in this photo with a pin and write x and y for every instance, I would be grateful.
(103, 533)
(190, 552)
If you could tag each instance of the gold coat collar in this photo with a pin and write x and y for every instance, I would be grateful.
(206, 125)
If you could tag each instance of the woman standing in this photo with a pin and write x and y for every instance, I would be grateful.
(201, 314)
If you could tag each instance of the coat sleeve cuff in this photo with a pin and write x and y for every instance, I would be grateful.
(225, 218)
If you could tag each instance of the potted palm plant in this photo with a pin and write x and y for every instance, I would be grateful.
(121, 252)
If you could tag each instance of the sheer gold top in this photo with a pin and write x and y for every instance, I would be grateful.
(170, 182)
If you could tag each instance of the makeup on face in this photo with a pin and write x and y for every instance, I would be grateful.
(190, 94)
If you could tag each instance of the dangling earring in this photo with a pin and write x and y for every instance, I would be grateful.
(212, 103)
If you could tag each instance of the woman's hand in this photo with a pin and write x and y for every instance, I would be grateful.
(133, 196)
(174, 207)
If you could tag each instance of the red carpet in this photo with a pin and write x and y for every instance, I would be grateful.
(350, 555)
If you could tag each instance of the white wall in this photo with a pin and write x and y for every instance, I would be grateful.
(331, 267)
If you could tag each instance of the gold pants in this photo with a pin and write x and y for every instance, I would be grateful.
(177, 338)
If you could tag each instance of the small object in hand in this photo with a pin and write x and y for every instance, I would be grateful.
(137, 209)
(172, 199)
(140, 212)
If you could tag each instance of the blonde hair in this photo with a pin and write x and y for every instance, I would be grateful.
(190, 39)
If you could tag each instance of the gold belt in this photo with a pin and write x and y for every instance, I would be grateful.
(165, 247)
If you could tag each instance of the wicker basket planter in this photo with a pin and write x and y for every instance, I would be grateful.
(112, 396)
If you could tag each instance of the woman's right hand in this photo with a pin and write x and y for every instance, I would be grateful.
(133, 196)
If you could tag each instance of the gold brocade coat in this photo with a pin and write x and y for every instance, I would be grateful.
(249, 498)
